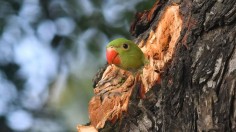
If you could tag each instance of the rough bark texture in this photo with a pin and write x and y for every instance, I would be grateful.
(198, 78)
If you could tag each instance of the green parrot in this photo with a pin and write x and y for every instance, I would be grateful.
(125, 54)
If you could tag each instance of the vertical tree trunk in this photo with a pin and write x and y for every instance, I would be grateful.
(190, 82)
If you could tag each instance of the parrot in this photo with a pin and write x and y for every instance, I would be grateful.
(126, 55)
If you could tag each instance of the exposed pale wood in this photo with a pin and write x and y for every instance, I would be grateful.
(81, 128)
(113, 91)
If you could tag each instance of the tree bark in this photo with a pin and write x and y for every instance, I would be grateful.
(190, 82)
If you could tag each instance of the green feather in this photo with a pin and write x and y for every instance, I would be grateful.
(132, 58)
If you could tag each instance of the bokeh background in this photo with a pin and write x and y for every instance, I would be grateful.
(49, 52)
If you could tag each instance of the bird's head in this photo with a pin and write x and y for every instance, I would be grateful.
(115, 48)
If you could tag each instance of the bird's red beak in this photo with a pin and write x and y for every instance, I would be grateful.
(112, 56)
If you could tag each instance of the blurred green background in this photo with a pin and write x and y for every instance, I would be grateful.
(49, 52)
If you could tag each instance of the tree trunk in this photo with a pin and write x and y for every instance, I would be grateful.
(190, 82)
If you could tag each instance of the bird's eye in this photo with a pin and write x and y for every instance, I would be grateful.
(125, 46)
